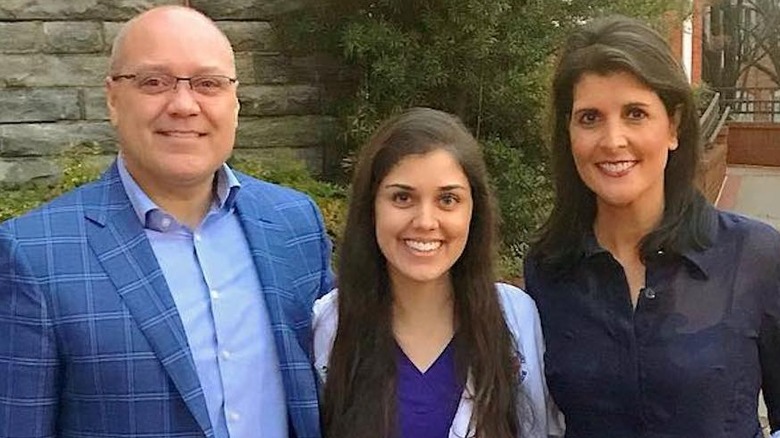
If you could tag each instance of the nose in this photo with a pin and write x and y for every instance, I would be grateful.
(426, 217)
(183, 102)
(614, 134)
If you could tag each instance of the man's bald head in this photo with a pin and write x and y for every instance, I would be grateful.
(172, 141)
(170, 16)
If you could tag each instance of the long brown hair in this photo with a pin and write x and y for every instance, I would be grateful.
(360, 396)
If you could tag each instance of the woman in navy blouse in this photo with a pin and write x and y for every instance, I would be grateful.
(661, 314)
(418, 341)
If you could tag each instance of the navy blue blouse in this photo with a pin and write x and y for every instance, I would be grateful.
(689, 360)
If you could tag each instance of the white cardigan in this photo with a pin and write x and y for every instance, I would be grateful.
(522, 318)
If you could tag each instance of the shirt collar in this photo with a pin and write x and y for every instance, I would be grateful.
(702, 260)
(226, 190)
(708, 259)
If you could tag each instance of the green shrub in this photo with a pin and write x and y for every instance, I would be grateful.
(83, 163)
(79, 164)
(524, 194)
(487, 61)
(331, 198)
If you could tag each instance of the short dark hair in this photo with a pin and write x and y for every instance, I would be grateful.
(610, 45)
(360, 392)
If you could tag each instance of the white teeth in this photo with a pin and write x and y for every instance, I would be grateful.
(616, 167)
(423, 246)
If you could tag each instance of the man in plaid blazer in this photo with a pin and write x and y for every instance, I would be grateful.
(172, 297)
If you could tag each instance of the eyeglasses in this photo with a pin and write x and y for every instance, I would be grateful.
(157, 83)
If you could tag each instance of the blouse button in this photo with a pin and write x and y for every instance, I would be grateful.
(648, 292)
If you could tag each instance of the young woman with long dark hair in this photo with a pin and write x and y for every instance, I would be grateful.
(419, 340)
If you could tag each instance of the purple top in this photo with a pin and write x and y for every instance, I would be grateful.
(427, 401)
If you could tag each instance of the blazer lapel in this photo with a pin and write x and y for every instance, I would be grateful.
(120, 244)
(267, 240)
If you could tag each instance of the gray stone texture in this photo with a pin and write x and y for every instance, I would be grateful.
(265, 100)
(21, 37)
(246, 9)
(265, 68)
(250, 36)
(95, 104)
(110, 31)
(54, 58)
(39, 104)
(28, 170)
(97, 10)
(73, 37)
(30, 140)
(286, 131)
(52, 70)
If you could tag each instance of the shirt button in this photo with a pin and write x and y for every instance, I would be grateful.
(166, 222)
(197, 237)
(225, 354)
(214, 294)
(648, 292)
(233, 416)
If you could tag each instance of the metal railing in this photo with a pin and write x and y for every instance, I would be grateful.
(713, 119)
(752, 104)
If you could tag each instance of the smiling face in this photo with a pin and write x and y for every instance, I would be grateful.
(621, 136)
(176, 138)
(423, 211)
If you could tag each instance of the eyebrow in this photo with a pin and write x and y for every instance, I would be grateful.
(162, 68)
(447, 188)
(625, 105)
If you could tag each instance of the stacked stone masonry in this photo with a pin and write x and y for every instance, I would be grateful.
(53, 61)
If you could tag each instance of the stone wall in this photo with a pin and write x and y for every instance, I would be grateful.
(53, 59)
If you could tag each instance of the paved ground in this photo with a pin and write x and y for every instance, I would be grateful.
(755, 192)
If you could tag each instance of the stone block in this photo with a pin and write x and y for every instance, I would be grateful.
(245, 68)
(37, 139)
(287, 131)
(39, 105)
(264, 100)
(250, 36)
(260, 68)
(265, 68)
(110, 31)
(269, 68)
(73, 37)
(21, 37)
(246, 9)
(95, 104)
(52, 70)
(17, 172)
(117, 10)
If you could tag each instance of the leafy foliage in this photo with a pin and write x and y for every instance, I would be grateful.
(79, 166)
(331, 198)
(487, 61)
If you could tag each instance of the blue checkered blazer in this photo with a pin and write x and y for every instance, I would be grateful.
(91, 344)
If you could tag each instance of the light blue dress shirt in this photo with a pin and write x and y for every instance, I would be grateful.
(218, 295)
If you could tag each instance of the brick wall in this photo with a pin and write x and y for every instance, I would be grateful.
(754, 143)
(53, 59)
